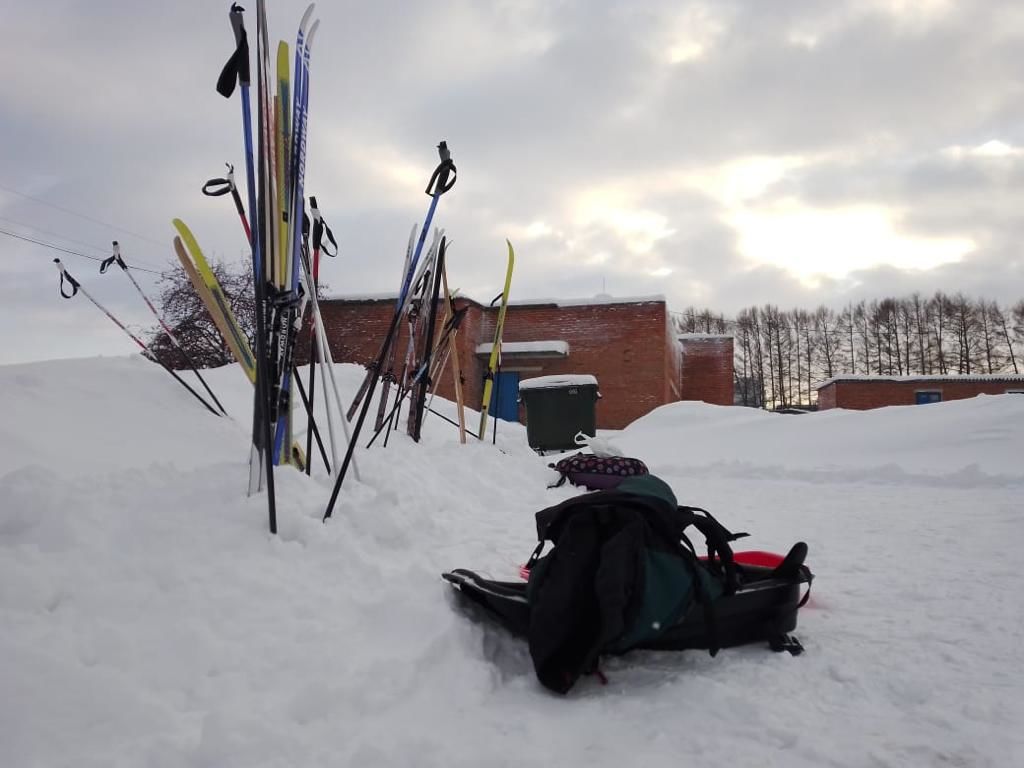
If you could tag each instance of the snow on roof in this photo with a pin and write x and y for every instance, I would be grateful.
(527, 348)
(601, 298)
(936, 378)
(558, 381)
(703, 336)
(360, 297)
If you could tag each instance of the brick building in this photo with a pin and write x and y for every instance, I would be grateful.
(865, 392)
(628, 344)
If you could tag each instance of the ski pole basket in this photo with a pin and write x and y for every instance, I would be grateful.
(557, 408)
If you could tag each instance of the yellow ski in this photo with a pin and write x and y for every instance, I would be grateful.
(492, 363)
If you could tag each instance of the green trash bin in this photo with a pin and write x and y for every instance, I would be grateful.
(557, 408)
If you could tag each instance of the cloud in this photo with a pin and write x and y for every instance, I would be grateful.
(713, 152)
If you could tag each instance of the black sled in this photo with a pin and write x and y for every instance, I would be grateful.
(624, 575)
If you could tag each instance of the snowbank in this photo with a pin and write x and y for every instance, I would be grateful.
(150, 619)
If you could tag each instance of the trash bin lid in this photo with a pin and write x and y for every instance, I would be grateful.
(558, 381)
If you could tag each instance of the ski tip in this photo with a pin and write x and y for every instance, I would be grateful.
(312, 33)
(306, 15)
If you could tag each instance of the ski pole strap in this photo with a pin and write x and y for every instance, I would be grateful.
(320, 229)
(65, 276)
(439, 182)
(218, 187)
(114, 259)
(236, 70)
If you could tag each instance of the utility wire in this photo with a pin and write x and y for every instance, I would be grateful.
(53, 247)
(41, 231)
(81, 215)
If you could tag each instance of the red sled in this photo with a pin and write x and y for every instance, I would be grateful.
(758, 557)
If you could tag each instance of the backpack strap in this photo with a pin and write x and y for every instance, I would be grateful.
(718, 537)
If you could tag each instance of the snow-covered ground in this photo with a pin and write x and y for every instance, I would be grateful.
(149, 619)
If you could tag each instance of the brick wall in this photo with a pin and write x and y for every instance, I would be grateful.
(707, 369)
(628, 347)
(623, 345)
(863, 395)
(827, 397)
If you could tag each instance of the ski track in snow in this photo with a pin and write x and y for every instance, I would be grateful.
(150, 619)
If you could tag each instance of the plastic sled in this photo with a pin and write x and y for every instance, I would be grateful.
(758, 557)
(764, 606)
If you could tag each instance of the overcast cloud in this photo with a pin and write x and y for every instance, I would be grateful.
(719, 153)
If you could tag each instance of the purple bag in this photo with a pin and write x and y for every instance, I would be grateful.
(597, 473)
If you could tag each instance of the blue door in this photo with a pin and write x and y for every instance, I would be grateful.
(505, 396)
(920, 398)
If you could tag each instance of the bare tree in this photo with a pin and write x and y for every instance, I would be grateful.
(188, 317)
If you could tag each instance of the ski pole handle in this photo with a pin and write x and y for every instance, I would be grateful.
(218, 187)
(236, 70)
(320, 229)
(114, 259)
(65, 276)
(439, 182)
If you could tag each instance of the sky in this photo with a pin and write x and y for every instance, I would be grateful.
(721, 154)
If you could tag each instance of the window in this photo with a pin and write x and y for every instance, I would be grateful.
(923, 396)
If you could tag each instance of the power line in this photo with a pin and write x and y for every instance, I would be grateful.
(53, 247)
(42, 231)
(80, 215)
(59, 236)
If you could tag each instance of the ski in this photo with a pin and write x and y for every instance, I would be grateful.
(188, 249)
(291, 319)
(450, 312)
(237, 71)
(389, 373)
(495, 357)
(419, 396)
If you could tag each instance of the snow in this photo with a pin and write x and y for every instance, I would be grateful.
(357, 297)
(950, 379)
(601, 298)
(526, 348)
(704, 336)
(150, 619)
(557, 381)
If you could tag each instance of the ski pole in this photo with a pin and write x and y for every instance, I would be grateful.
(441, 181)
(308, 405)
(117, 259)
(219, 187)
(320, 229)
(76, 287)
(326, 361)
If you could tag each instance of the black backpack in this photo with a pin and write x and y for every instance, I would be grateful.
(624, 575)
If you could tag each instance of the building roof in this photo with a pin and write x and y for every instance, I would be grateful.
(599, 300)
(525, 348)
(933, 379)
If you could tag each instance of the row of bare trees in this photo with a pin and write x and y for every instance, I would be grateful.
(782, 355)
